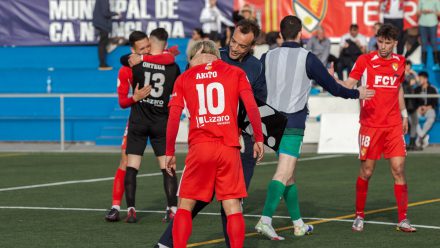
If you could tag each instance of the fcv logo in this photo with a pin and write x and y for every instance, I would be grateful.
(311, 12)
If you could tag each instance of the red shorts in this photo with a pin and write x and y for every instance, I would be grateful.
(375, 141)
(212, 167)
(124, 138)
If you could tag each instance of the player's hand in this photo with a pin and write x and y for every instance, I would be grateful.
(140, 94)
(258, 151)
(203, 58)
(365, 93)
(170, 165)
(331, 69)
(405, 125)
(134, 59)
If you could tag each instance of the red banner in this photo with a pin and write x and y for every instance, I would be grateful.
(334, 16)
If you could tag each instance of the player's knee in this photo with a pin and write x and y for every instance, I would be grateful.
(398, 172)
(231, 206)
(366, 173)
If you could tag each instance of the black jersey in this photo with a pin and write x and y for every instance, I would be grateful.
(161, 78)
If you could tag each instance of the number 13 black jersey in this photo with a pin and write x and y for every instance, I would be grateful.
(161, 78)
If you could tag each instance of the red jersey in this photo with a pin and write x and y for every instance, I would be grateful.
(385, 77)
(211, 92)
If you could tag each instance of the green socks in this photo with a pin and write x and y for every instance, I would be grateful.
(275, 191)
(291, 199)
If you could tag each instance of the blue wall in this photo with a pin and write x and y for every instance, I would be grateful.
(73, 69)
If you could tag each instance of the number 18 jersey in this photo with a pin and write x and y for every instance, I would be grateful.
(211, 92)
(385, 77)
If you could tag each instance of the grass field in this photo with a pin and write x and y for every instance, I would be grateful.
(66, 196)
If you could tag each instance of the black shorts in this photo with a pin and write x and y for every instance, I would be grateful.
(138, 135)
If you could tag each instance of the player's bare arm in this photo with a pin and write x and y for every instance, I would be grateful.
(350, 83)
(402, 108)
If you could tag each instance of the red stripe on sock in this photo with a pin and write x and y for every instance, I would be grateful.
(401, 194)
(361, 196)
(236, 230)
(118, 187)
(182, 228)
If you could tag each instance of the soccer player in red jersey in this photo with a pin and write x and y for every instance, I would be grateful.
(211, 93)
(140, 45)
(384, 121)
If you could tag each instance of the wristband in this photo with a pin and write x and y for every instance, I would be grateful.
(404, 113)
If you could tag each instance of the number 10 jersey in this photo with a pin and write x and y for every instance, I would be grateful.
(211, 92)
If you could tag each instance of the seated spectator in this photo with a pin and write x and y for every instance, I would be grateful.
(352, 45)
(426, 108)
(372, 43)
(320, 45)
(409, 86)
(428, 12)
(197, 35)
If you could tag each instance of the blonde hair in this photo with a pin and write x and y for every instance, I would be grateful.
(208, 47)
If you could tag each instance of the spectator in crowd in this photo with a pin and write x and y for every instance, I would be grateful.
(248, 12)
(261, 47)
(274, 40)
(372, 43)
(411, 40)
(227, 37)
(320, 45)
(392, 12)
(426, 108)
(428, 12)
(352, 45)
(102, 21)
(212, 19)
(197, 35)
(409, 86)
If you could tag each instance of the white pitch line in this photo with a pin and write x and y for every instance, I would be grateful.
(141, 175)
(76, 181)
(204, 213)
(307, 159)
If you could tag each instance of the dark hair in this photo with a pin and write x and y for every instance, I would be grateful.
(354, 26)
(423, 74)
(290, 27)
(199, 31)
(408, 62)
(388, 31)
(160, 34)
(136, 36)
(247, 26)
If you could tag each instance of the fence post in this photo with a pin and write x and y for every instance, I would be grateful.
(62, 121)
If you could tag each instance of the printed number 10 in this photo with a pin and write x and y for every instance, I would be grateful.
(214, 110)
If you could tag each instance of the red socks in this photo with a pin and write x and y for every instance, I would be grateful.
(182, 228)
(118, 187)
(401, 194)
(361, 196)
(236, 229)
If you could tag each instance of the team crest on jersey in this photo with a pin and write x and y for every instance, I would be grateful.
(395, 66)
(208, 67)
(311, 12)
